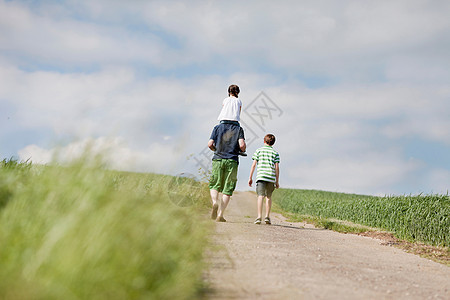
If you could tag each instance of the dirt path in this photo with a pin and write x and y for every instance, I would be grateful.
(297, 261)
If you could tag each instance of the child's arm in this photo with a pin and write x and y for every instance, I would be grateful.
(242, 145)
(211, 145)
(277, 175)
(250, 181)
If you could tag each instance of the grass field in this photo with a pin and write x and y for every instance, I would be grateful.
(423, 218)
(79, 232)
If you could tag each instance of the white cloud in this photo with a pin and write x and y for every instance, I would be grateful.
(321, 38)
(394, 110)
(113, 152)
(373, 173)
(419, 68)
(36, 154)
(426, 127)
(317, 126)
(64, 40)
(438, 181)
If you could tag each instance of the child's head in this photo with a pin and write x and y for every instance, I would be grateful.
(233, 90)
(269, 139)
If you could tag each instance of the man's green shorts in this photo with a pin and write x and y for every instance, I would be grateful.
(224, 176)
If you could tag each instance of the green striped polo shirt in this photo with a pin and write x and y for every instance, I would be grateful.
(266, 158)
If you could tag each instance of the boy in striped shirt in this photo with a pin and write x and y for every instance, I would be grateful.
(267, 177)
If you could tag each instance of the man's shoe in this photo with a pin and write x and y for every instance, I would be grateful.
(267, 220)
(214, 211)
(258, 221)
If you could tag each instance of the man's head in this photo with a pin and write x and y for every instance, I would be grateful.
(269, 139)
(233, 90)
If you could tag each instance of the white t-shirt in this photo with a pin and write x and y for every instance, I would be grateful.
(231, 109)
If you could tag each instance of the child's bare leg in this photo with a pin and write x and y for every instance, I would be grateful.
(223, 204)
(268, 206)
(260, 206)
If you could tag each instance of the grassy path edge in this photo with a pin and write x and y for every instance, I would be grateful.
(438, 254)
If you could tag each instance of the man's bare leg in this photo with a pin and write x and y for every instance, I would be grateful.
(214, 198)
(223, 205)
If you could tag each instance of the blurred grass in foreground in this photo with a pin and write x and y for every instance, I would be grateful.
(423, 218)
(82, 232)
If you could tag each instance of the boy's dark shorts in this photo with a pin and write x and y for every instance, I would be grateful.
(265, 188)
(224, 176)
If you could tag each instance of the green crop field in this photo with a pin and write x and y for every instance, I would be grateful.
(424, 218)
(79, 232)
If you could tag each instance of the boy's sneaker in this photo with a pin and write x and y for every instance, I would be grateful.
(258, 221)
(241, 153)
(214, 211)
(267, 220)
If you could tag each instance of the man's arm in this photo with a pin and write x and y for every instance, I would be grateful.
(211, 145)
(277, 175)
(250, 181)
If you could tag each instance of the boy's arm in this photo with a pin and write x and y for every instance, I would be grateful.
(252, 169)
(277, 175)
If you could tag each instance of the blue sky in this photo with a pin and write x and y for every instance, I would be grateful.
(361, 88)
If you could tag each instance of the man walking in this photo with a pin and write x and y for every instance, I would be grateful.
(227, 140)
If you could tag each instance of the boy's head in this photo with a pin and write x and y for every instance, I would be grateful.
(269, 139)
(233, 90)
